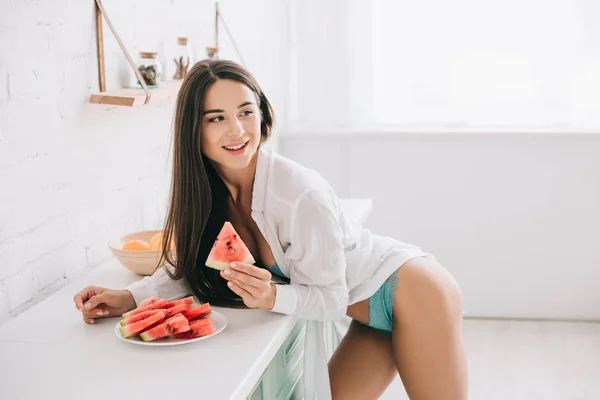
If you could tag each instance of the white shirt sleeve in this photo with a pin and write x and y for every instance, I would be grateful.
(318, 288)
(159, 284)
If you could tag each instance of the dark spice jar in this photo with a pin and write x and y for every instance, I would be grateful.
(149, 68)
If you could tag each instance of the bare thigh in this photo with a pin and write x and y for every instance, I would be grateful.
(427, 332)
(362, 366)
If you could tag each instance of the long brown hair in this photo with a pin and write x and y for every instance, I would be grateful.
(198, 195)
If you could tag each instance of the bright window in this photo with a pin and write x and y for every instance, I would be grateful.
(489, 64)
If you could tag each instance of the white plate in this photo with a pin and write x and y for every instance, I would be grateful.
(219, 322)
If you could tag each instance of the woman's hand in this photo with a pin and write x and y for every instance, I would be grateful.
(98, 302)
(252, 284)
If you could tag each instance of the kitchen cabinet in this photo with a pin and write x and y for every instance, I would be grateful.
(282, 378)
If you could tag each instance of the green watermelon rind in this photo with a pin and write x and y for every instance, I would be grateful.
(176, 318)
(123, 333)
(126, 321)
(156, 319)
(221, 266)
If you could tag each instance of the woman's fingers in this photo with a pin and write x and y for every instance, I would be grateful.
(83, 296)
(249, 275)
(91, 302)
(251, 283)
(243, 293)
(251, 270)
(98, 312)
(253, 290)
(96, 300)
(241, 277)
(90, 316)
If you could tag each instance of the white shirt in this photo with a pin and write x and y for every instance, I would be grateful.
(331, 262)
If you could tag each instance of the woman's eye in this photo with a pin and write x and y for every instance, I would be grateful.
(216, 119)
(247, 112)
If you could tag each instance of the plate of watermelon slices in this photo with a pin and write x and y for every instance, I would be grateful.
(158, 322)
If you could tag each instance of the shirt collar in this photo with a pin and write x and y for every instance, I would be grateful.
(259, 190)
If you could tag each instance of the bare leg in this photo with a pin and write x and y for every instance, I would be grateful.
(427, 332)
(362, 366)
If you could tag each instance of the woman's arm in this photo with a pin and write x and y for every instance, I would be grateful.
(318, 288)
(159, 284)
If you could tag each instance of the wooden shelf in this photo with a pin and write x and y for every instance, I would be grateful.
(129, 97)
(133, 97)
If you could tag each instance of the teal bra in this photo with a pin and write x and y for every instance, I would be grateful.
(273, 269)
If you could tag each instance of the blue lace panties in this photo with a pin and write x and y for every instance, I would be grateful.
(381, 303)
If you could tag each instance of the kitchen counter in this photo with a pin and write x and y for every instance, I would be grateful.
(48, 352)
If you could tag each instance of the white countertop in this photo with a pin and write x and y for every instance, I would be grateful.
(48, 352)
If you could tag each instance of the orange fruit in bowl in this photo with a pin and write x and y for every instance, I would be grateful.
(137, 244)
(156, 243)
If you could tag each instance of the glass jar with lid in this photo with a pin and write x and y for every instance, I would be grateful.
(150, 68)
(183, 58)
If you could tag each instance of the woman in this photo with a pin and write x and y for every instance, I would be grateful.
(406, 309)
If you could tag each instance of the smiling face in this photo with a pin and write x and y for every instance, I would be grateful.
(231, 123)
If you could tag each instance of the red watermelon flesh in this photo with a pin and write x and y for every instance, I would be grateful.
(148, 301)
(197, 312)
(187, 300)
(169, 312)
(174, 325)
(138, 317)
(141, 326)
(228, 247)
(198, 328)
(152, 306)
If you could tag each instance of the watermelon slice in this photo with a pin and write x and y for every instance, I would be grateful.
(198, 328)
(187, 300)
(148, 300)
(174, 325)
(228, 247)
(141, 326)
(151, 306)
(169, 312)
(197, 312)
(138, 317)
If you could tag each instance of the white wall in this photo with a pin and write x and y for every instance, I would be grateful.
(515, 217)
(331, 61)
(74, 174)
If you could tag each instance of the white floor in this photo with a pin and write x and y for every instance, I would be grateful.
(528, 360)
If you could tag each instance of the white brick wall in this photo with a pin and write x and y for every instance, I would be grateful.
(73, 174)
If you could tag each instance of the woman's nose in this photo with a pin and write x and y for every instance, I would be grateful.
(236, 128)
